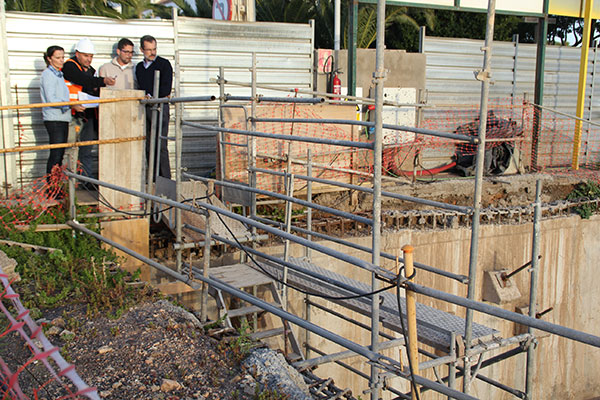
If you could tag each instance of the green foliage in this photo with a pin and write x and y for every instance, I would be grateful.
(240, 346)
(585, 191)
(268, 394)
(79, 271)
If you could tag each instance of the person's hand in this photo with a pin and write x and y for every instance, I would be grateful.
(78, 108)
(108, 81)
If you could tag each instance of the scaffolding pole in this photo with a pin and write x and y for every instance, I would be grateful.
(484, 76)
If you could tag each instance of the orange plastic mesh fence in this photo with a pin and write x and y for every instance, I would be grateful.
(329, 161)
(57, 380)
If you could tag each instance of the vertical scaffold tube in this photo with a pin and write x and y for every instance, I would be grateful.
(484, 76)
(379, 76)
(533, 284)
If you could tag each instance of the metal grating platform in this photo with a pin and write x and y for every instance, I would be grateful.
(434, 326)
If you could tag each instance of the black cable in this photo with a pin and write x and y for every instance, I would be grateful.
(106, 203)
(410, 366)
(306, 292)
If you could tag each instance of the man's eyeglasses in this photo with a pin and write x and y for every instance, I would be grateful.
(127, 51)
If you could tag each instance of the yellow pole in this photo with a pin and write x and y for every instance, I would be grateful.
(411, 317)
(583, 62)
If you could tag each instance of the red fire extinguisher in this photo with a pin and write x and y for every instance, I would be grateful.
(337, 85)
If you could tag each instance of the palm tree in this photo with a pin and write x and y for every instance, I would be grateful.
(203, 8)
(76, 7)
(143, 9)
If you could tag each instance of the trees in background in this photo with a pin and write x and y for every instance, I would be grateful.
(402, 23)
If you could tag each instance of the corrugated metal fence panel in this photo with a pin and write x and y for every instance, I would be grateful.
(451, 81)
(283, 59)
(29, 34)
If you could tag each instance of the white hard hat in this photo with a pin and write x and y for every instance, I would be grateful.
(85, 45)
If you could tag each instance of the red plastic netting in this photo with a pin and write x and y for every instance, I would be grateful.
(20, 376)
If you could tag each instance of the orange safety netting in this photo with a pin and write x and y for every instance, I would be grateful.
(56, 378)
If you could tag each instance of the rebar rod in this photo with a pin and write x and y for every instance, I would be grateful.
(484, 75)
(420, 131)
(284, 197)
(307, 139)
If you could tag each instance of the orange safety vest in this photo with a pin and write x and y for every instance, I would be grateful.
(74, 89)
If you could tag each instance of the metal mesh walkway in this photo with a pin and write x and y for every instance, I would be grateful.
(434, 326)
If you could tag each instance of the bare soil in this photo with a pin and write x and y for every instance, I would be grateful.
(151, 352)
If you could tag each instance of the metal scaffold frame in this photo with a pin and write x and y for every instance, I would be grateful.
(382, 367)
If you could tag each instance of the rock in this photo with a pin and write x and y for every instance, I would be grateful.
(67, 332)
(272, 371)
(106, 393)
(169, 385)
(155, 388)
(8, 265)
(53, 330)
(59, 321)
(105, 349)
(117, 385)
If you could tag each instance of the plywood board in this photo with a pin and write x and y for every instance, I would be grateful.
(329, 161)
(133, 234)
(121, 163)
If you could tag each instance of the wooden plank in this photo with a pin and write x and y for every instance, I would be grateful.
(132, 233)
(239, 276)
(121, 163)
(173, 288)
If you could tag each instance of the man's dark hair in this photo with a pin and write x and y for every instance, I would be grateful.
(124, 42)
(146, 38)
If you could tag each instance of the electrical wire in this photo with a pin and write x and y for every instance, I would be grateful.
(106, 203)
(306, 292)
(410, 366)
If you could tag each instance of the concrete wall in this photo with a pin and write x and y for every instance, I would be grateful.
(405, 70)
(568, 281)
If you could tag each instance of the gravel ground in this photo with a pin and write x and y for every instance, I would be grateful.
(154, 351)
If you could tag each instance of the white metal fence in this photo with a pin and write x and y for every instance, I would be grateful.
(284, 57)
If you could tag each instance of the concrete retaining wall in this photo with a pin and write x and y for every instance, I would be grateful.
(569, 281)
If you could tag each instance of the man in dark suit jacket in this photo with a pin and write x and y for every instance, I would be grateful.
(144, 73)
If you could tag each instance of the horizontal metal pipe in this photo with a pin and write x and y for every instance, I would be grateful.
(425, 267)
(172, 100)
(484, 347)
(433, 203)
(384, 362)
(279, 261)
(183, 278)
(382, 272)
(348, 319)
(307, 139)
(342, 355)
(260, 98)
(509, 315)
(420, 131)
(488, 362)
(436, 362)
(192, 245)
(292, 199)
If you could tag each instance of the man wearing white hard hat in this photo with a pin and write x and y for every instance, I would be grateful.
(80, 77)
